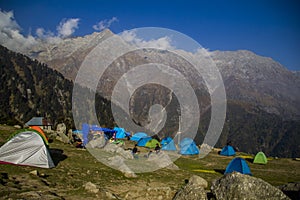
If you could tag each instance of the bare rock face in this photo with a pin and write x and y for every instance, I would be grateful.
(67, 55)
(239, 186)
(194, 190)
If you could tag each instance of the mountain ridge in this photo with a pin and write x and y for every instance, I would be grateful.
(263, 96)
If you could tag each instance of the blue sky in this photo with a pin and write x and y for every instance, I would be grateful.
(268, 28)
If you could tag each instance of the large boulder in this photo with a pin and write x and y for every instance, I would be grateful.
(194, 189)
(240, 186)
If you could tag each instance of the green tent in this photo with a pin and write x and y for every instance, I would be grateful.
(152, 143)
(260, 158)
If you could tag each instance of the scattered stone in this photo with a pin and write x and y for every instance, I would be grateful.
(292, 190)
(17, 126)
(91, 187)
(240, 186)
(150, 193)
(130, 175)
(35, 173)
(194, 190)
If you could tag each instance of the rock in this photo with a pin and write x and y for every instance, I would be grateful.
(98, 142)
(149, 193)
(118, 150)
(239, 186)
(63, 138)
(34, 172)
(61, 128)
(91, 187)
(17, 126)
(61, 133)
(198, 181)
(194, 190)
(292, 190)
(70, 136)
(130, 175)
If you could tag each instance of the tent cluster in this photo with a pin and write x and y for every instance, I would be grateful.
(27, 147)
(239, 164)
(30, 147)
(186, 146)
(114, 134)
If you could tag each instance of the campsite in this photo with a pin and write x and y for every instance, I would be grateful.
(75, 168)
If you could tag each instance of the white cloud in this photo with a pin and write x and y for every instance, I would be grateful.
(160, 43)
(104, 24)
(67, 27)
(12, 38)
(10, 35)
(47, 36)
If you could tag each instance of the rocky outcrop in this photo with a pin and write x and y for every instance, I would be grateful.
(239, 186)
(194, 190)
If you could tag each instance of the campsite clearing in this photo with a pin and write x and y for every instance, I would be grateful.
(76, 167)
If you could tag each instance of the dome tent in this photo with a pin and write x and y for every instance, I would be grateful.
(26, 147)
(168, 144)
(121, 133)
(260, 158)
(239, 165)
(227, 151)
(152, 143)
(142, 142)
(188, 147)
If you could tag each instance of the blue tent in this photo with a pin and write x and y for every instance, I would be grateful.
(238, 165)
(77, 132)
(105, 130)
(188, 147)
(168, 144)
(137, 136)
(142, 142)
(121, 133)
(227, 151)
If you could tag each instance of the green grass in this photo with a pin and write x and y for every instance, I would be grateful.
(79, 167)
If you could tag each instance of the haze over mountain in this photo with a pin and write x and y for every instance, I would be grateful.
(263, 97)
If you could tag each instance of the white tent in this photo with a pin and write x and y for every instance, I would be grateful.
(26, 148)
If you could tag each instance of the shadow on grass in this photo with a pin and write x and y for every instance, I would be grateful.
(57, 155)
(221, 171)
(249, 160)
